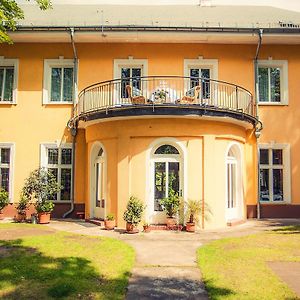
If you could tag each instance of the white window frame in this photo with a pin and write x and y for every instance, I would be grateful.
(286, 172)
(48, 65)
(9, 62)
(284, 91)
(59, 166)
(11, 146)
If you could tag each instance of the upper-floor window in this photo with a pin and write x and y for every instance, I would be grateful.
(58, 81)
(195, 75)
(8, 80)
(273, 82)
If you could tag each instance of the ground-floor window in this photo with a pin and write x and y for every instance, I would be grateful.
(273, 172)
(58, 160)
(5, 167)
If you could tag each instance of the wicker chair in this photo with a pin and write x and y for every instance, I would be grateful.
(135, 99)
(191, 99)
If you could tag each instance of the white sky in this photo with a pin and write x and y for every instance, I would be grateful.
(285, 4)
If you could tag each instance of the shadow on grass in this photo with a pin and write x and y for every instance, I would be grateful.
(295, 229)
(215, 292)
(29, 274)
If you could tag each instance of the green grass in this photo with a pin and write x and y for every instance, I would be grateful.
(237, 268)
(63, 266)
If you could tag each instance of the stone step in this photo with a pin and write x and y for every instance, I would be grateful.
(97, 222)
(235, 222)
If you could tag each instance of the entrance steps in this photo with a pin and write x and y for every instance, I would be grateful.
(97, 222)
(235, 222)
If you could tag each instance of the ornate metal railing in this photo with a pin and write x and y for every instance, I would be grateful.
(164, 91)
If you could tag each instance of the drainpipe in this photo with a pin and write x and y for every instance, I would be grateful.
(257, 130)
(74, 125)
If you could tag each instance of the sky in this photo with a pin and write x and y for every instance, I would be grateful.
(285, 4)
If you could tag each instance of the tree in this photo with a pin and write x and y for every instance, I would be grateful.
(10, 13)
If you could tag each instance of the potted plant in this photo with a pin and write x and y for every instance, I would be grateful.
(110, 222)
(171, 206)
(41, 186)
(194, 208)
(133, 214)
(4, 200)
(21, 208)
(146, 227)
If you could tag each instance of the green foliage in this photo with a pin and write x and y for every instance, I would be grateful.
(134, 211)
(41, 186)
(4, 199)
(22, 204)
(110, 217)
(194, 209)
(171, 203)
(10, 13)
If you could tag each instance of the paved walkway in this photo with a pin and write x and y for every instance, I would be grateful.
(166, 261)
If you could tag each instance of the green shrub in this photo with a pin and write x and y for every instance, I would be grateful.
(171, 203)
(4, 199)
(134, 211)
(22, 204)
(110, 217)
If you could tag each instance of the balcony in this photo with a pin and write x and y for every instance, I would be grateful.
(164, 96)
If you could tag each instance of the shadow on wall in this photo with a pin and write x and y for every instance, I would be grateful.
(28, 274)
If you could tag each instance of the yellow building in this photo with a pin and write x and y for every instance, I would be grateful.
(176, 99)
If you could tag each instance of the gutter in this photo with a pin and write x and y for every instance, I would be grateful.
(74, 126)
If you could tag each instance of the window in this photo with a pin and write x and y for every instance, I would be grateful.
(58, 160)
(272, 82)
(231, 180)
(8, 80)
(58, 81)
(6, 155)
(99, 177)
(135, 81)
(195, 75)
(274, 173)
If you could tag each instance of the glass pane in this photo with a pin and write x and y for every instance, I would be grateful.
(263, 84)
(66, 156)
(66, 184)
(195, 81)
(98, 199)
(233, 185)
(54, 172)
(100, 152)
(125, 73)
(5, 155)
(275, 84)
(136, 82)
(174, 176)
(277, 184)
(1, 82)
(277, 156)
(8, 85)
(264, 156)
(159, 184)
(166, 149)
(205, 73)
(52, 156)
(68, 84)
(4, 179)
(264, 185)
(56, 84)
(228, 186)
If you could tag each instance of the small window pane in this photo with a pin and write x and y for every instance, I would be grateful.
(264, 156)
(4, 179)
(53, 156)
(136, 81)
(166, 149)
(196, 74)
(277, 184)
(1, 82)
(277, 156)
(205, 73)
(8, 85)
(56, 74)
(66, 184)
(125, 73)
(100, 153)
(160, 184)
(66, 156)
(275, 84)
(68, 84)
(54, 172)
(5, 155)
(263, 83)
(264, 185)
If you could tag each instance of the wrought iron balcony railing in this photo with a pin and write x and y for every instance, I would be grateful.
(163, 91)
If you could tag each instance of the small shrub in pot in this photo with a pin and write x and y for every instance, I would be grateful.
(4, 201)
(133, 214)
(110, 222)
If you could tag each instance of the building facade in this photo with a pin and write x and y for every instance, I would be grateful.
(120, 110)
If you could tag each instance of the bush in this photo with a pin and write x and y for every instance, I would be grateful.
(134, 211)
(22, 205)
(110, 217)
(171, 203)
(194, 209)
(4, 199)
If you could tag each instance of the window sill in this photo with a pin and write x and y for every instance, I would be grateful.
(273, 103)
(8, 103)
(58, 103)
(61, 201)
(275, 202)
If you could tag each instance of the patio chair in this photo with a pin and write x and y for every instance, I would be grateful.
(191, 99)
(139, 99)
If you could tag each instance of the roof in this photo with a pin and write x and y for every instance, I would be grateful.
(167, 15)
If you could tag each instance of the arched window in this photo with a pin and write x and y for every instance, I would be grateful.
(231, 179)
(99, 165)
(166, 149)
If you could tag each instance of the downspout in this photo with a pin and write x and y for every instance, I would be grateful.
(257, 130)
(74, 126)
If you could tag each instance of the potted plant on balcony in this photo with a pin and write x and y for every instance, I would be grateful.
(110, 222)
(194, 209)
(4, 201)
(41, 186)
(21, 208)
(133, 214)
(171, 206)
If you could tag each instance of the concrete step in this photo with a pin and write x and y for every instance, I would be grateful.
(97, 222)
(235, 222)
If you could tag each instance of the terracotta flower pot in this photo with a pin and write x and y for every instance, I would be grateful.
(171, 222)
(109, 224)
(44, 218)
(190, 227)
(131, 228)
(20, 217)
(146, 228)
(1, 215)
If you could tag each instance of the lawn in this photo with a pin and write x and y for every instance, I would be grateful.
(237, 268)
(59, 265)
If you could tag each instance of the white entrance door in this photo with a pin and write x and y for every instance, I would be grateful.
(232, 211)
(99, 200)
